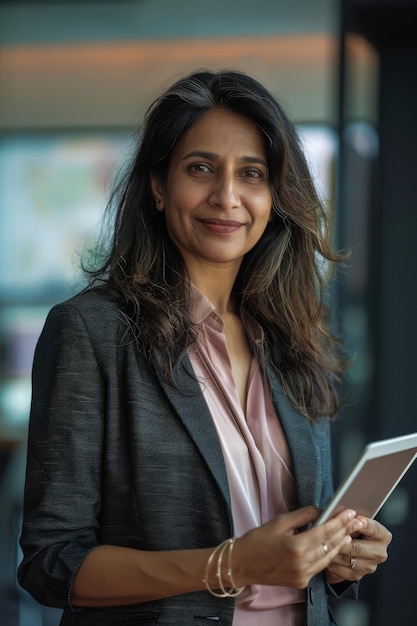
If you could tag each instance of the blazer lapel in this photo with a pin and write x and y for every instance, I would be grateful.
(301, 444)
(189, 403)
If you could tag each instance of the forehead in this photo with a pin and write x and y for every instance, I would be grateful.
(221, 130)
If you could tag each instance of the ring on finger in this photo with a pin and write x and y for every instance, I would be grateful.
(325, 548)
(352, 562)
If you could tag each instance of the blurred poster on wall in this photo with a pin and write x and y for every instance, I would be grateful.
(52, 197)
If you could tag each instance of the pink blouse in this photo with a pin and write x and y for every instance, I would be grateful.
(256, 455)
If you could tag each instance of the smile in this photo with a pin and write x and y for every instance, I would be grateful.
(221, 226)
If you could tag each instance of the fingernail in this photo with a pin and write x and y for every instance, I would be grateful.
(351, 514)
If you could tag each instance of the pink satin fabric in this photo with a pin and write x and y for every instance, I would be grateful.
(256, 455)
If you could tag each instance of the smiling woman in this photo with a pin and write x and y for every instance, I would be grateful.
(181, 399)
(216, 197)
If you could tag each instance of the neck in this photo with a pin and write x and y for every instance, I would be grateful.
(216, 284)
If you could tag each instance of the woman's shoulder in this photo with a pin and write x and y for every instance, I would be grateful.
(96, 308)
(94, 300)
(89, 298)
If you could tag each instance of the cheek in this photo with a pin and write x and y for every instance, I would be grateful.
(263, 209)
(180, 200)
(176, 216)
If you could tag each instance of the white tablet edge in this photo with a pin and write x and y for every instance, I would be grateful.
(371, 451)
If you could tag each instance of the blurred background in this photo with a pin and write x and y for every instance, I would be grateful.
(75, 78)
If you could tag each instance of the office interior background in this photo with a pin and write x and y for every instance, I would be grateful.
(75, 78)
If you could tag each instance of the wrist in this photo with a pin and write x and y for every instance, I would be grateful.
(219, 577)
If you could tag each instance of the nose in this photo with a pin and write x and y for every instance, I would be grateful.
(225, 192)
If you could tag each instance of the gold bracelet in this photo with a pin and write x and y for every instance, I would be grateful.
(219, 577)
(237, 590)
(206, 576)
(221, 549)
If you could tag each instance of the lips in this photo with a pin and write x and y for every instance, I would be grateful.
(221, 226)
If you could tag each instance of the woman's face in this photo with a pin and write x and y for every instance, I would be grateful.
(216, 196)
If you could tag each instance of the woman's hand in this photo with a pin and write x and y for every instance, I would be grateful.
(363, 555)
(278, 554)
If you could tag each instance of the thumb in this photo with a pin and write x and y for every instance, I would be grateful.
(299, 520)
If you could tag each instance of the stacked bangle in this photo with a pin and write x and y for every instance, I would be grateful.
(225, 590)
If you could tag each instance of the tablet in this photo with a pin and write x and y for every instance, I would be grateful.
(374, 476)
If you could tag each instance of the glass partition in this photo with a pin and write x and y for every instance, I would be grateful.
(75, 79)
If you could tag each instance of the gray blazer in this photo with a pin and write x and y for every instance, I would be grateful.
(117, 456)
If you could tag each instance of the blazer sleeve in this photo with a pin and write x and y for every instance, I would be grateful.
(62, 491)
(346, 590)
(325, 460)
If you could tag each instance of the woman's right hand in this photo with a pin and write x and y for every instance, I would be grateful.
(277, 553)
(273, 554)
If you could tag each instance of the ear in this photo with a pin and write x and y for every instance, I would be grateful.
(157, 191)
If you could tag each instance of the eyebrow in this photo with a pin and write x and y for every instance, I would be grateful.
(212, 156)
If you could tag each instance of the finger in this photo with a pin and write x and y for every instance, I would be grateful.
(375, 531)
(300, 519)
(363, 555)
(321, 544)
(354, 548)
(345, 523)
(346, 560)
(331, 547)
(337, 535)
(348, 569)
(326, 537)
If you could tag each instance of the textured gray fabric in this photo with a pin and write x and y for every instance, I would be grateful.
(116, 456)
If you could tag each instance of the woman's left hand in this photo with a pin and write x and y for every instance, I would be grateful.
(363, 555)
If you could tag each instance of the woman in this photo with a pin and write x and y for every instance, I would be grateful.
(179, 445)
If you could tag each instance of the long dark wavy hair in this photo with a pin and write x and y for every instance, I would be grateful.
(282, 281)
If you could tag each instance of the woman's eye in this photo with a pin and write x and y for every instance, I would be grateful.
(253, 173)
(199, 167)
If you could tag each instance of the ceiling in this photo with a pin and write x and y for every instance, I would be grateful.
(37, 21)
(77, 64)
